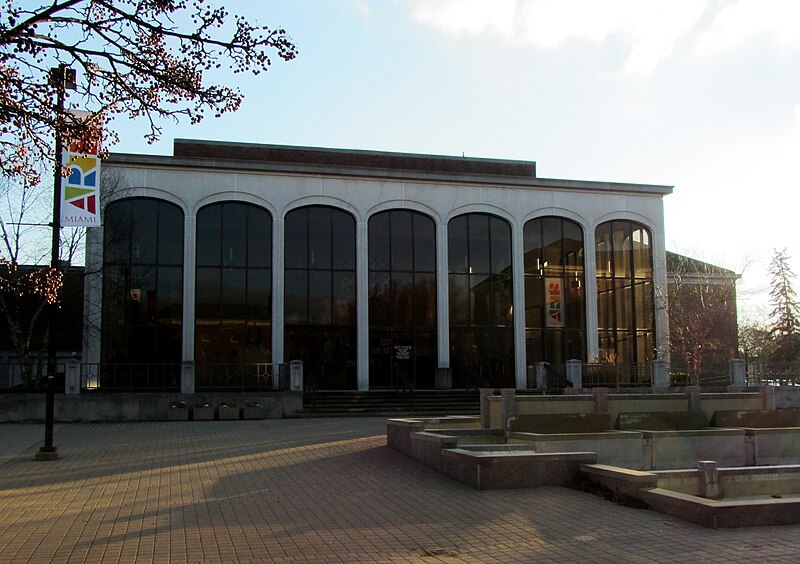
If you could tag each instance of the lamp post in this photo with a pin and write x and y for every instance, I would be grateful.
(62, 78)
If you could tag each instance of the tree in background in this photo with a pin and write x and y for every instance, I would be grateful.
(785, 327)
(144, 59)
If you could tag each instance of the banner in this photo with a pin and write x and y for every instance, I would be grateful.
(554, 301)
(80, 191)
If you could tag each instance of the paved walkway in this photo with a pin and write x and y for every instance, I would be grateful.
(314, 490)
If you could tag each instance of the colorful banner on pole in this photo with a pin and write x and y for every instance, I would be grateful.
(554, 301)
(80, 191)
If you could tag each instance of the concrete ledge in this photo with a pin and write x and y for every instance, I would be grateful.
(722, 514)
(507, 470)
(620, 448)
(622, 482)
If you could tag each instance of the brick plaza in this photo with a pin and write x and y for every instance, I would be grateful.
(310, 490)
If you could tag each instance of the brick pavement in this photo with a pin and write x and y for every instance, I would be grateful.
(313, 490)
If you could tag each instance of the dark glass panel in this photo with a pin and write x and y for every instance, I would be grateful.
(402, 295)
(575, 345)
(642, 253)
(605, 303)
(116, 232)
(574, 300)
(296, 297)
(144, 217)
(644, 305)
(532, 236)
(573, 247)
(209, 236)
(143, 297)
(479, 244)
(296, 239)
(234, 295)
(320, 304)
(534, 301)
(501, 300)
(500, 232)
(170, 234)
(459, 299)
(402, 243)
(319, 238)
(425, 359)
(344, 240)
(379, 248)
(207, 293)
(425, 300)
(622, 249)
(551, 243)
(380, 300)
(234, 232)
(624, 304)
(604, 249)
(259, 294)
(259, 238)
(480, 299)
(344, 298)
(424, 244)
(554, 346)
(457, 248)
(170, 293)
(534, 348)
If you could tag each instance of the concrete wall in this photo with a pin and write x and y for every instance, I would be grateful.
(133, 407)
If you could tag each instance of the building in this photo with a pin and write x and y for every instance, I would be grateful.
(376, 269)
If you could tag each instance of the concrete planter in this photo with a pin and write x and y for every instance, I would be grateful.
(253, 412)
(178, 411)
(228, 412)
(203, 412)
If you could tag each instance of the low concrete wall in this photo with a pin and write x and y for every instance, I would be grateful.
(105, 406)
(491, 471)
(725, 402)
(667, 450)
(779, 445)
(787, 396)
(618, 448)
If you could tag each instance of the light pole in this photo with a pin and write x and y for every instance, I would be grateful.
(61, 77)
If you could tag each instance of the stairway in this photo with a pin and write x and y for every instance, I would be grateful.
(389, 403)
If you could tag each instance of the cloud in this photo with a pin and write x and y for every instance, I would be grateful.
(651, 28)
(745, 20)
(361, 6)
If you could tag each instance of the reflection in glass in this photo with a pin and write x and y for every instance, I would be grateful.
(142, 283)
(626, 314)
(402, 300)
(233, 284)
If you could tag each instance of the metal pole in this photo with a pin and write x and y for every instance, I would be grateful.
(49, 450)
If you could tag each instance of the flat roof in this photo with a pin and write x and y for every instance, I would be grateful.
(360, 163)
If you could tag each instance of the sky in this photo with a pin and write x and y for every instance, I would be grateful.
(702, 95)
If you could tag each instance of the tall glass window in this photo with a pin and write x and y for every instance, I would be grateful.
(402, 299)
(555, 305)
(481, 302)
(233, 309)
(142, 282)
(625, 306)
(320, 295)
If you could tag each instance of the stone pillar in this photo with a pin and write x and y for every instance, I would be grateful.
(362, 307)
(531, 375)
(738, 373)
(709, 479)
(507, 401)
(600, 397)
(444, 379)
(72, 378)
(768, 393)
(296, 375)
(660, 374)
(187, 377)
(541, 375)
(486, 393)
(573, 369)
(694, 397)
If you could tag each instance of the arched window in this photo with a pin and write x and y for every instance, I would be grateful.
(481, 301)
(142, 282)
(555, 305)
(402, 299)
(233, 290)
(320, 295)
(625, 307)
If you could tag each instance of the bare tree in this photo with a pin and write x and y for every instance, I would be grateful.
(785, 326)
(144, 59)
(702, 313)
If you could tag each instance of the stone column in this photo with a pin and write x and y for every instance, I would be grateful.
(660, 375)
(442, 297)
(72, 378)
(296, 375)
(709, 479)
(362, 306)
(507, 400)
(574, 376)
(518, 300)
(541, 376)
(486, 393)
(768, 393)
(738, 373)
(600, 397)
(187, 377)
